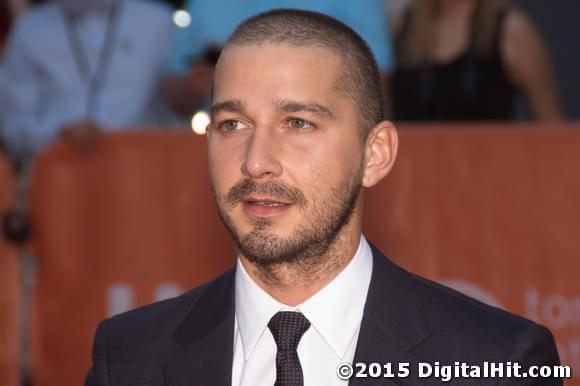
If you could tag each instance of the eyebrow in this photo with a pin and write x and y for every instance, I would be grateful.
(283, 105)
(233, 106)
(290, 106)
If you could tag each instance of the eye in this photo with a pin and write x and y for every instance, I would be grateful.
(231, 125)
(299, 124)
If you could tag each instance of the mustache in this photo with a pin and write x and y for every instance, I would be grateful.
(274, 189)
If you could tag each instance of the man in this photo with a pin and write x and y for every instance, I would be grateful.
(297, 131)
(77, 68)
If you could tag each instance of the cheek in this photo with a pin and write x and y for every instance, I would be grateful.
(316, 174)
(221, 171)
(307, 164)
(326, 161)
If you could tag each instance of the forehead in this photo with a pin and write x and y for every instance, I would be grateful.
(276, 71)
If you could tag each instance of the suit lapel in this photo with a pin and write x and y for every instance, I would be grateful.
(206, 338)
(393, 323)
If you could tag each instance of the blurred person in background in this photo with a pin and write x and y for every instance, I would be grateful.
(77, 68)
(467, 60)
(198, 45)
(9, 11)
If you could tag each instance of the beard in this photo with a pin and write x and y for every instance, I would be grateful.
(321, 223)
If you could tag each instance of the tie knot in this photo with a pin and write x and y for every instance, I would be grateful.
(287, 328)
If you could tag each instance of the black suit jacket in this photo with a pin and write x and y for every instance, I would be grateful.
(188, 340)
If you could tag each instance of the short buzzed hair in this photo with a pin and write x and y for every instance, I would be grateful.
(359, 79)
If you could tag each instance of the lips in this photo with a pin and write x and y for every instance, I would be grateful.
(265, 206)
(265, 201)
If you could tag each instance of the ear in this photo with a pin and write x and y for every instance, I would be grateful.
(380, 153)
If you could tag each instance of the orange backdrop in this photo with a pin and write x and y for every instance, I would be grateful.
(492, 212)
(9, 289)
(129, 224)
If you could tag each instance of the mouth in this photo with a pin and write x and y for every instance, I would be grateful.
(265, 202)
(265, 207)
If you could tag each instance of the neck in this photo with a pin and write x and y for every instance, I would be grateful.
(293, 284)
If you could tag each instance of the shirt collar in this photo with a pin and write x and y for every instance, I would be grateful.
(342, 299)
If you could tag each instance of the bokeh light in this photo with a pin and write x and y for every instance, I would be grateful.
(181, 18)
(199, 122)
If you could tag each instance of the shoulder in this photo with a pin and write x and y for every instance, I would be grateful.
(471, 329)
(156, 320)
(446, 306)
(521, 45)
(516, 22)
(149, 9)
(462, 327)
(35, 23)
(133, 345)
(40, 12)
(517, 30)
(150, 19)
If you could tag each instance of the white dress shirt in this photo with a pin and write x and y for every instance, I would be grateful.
(335, 313)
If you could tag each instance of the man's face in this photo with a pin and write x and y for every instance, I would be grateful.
(284, 152)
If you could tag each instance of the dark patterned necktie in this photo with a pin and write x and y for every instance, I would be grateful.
(287, 327)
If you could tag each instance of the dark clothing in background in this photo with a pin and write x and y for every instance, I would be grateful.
(467, 88)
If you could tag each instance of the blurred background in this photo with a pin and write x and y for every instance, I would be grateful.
(104, 190)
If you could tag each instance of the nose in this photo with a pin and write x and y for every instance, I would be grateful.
(262, 158)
